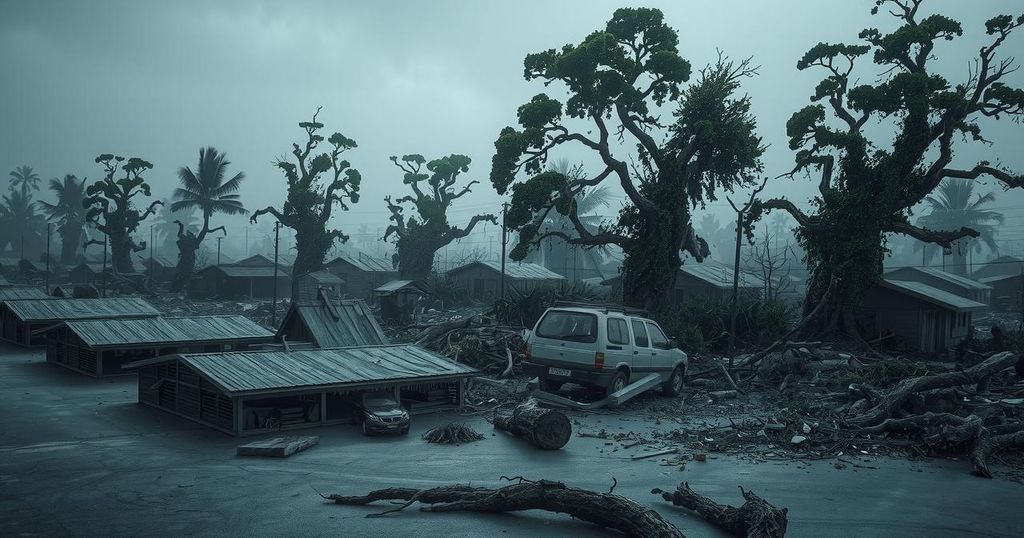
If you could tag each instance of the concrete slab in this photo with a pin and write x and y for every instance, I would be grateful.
(78, 457)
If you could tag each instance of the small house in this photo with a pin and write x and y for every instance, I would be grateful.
(158, 267)
(1007, 293)
(482, 279)
(311, 285)
(25, 321)
(398, 300)
(702, 281)
(331, 324)
(241, 280)
(1001, 266)
(960, 285)
(258, 392)
(101, 347)
(86, 273)
(924, 318)
(362, 274)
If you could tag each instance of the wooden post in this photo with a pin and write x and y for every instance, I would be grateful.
(504, 243)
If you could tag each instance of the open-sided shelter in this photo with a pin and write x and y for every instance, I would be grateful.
(21, 320)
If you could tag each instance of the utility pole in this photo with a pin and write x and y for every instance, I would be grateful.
(104, 265)
(273, 305)
(218, 251)
(504, 243)
(48, 257)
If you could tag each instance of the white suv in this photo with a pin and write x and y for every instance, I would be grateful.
(601, 347)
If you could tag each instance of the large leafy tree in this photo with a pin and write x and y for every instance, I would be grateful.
(420, 236)
(615, 79)
(206, 190)
(311, 200)
(110, 204)
(867, 187)
(951, 208)
(69, 213)
(24, 179)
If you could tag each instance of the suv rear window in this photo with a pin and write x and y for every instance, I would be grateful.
(572, 326)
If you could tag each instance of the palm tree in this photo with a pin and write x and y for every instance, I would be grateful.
(68, 213)
(20, 224)
(952, 209)
(25, 179)
(207, 191)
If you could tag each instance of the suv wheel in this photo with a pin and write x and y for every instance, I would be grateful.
(674, 385)
(618, 383)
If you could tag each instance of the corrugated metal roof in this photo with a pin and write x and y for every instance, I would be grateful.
(516, 270)
(158, 259)
(54, 309)
(719, 276)
(932, 295)
(998, 278)
(237, 271)
(15, 293)
(257, 260)
(396, 285)
(126, 332)
(354, 325)
(324, 277)
(280, 371)
(96, 268)
(365, 262)
(955, 280)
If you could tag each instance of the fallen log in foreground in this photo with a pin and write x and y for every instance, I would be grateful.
(755, 518)
(603, 509)
(544, 428)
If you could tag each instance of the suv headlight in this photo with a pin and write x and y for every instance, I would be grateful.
(375, 418)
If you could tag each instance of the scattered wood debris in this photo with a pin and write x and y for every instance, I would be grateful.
(277, 447)
(452, 434)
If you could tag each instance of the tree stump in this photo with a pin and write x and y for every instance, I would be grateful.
(544, 428)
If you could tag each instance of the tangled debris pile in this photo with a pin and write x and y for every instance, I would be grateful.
(453, 433)
(477, 341)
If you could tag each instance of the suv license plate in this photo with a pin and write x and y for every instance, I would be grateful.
(559, 371)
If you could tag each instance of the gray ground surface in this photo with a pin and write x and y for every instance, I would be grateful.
(78, 456)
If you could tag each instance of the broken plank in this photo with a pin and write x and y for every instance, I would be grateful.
(278, 447)
(646, 455)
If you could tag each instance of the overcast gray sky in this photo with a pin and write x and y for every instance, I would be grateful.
(160, 79)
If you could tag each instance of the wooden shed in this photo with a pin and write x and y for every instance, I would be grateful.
(163, 268)
(86, 273)
(956, 284)
(331, 324)
(25, 321)
(362, 274)
(924, 318)
(482, 279)
(238, 280)
(398, 300)
(102, 347)
(1007, 293)
(257, 392)
(311, 285)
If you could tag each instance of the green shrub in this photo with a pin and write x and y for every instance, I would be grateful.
(758, 323)
(525, 306)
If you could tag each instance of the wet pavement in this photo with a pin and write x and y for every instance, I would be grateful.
(79, 456)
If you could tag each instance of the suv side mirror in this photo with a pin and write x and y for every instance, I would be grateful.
(672, 344)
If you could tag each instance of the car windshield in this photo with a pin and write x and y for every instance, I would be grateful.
(572, 326)
(379, 401)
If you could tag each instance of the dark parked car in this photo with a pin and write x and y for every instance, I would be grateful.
(379, 412)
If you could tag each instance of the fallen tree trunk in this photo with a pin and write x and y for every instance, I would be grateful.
(545, 428)
(603, 509)
(756, 518)
(892, 401)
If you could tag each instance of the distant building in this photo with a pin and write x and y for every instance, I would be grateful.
(311, 285)
(24, 321)
(163, 267)
(331, 324)
(251, 277)
(702, 281)
(1001, 266)
(960, 285)
(922, 317)
(102, 347)
(362, 274)
(1007, 292)
(482, 279)
(86, 273)
(398, 300)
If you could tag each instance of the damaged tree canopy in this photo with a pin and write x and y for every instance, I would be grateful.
(111, 207)
(310, 202)
(617, 78)
(420, 236)
(868, 187)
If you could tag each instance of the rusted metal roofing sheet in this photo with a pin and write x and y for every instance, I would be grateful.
(15, 293)
(353, 325)
(106, 333)
(54, 309)
(245, 372)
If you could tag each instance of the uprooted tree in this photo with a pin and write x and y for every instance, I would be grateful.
(419, 237)
(310, 202)
(110, 204)
(868, 187)
(617, 78)
(205, 189)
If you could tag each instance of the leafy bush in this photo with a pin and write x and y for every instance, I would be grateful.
(445, 292)
(758, 323)
(525, 306)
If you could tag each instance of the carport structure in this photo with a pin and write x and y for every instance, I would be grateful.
(101, 347)
(25, 321)
(254, 392)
